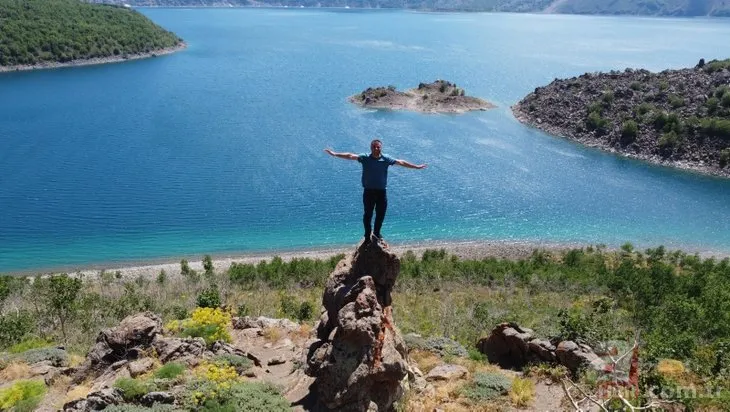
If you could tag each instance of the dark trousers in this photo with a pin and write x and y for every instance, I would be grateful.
(374, 198)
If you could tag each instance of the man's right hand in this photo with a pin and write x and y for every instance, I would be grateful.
(329, 152)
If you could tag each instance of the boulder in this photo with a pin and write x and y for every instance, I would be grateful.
(262, 322)
(157, 397)
(95, 401)
(169, 349)
(140, 366)
(220, 348)
(507, 345)
(125, 342)
(359, 359)
(447, 372)
(574, 357)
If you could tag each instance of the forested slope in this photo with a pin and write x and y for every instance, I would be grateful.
(39, 31)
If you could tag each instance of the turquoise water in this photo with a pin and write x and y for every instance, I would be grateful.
(218, 149)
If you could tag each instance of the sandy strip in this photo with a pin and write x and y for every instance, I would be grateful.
(462, 249)
(221, 263)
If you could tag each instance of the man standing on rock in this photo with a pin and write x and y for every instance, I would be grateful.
(374, 180)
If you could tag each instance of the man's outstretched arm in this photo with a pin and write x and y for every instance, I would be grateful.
(409, 164)
(343, 155)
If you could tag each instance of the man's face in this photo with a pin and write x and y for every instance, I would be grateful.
(375, 148)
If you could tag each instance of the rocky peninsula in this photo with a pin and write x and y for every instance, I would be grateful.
(440, 96)
(678, 118)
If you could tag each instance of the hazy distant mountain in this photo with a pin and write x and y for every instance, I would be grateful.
(639, 7)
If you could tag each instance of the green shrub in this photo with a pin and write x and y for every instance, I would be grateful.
(726, 99)
(486, 386)
(187, 272)
(211, 324)
(629, 132)
(635, 86)
(724, 157)
(721, 90)
(663, 85)
(712, 104)
(669, 141)
(248, 396)
(170, 370)
(24, 395)
(208, 265)
(240, 363)
(28, 344)
(595, 107)
(15, 327)
(596, 122)
(243, 310)
(133, 389)
(209, 298)
(162, 277)
(133, 300)
(58, 357)
(717, 65)
(715, 127)
(676, 101)
(607, 98)
(305, 312)
(178, 312)
(644, 108)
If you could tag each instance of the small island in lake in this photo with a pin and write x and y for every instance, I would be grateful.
(678, 118)
(440, 96)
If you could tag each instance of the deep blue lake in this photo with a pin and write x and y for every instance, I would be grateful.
(218, 149)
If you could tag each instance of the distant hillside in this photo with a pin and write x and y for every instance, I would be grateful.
(631, 7)
(34, 32)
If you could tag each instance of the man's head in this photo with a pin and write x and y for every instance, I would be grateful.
(376, 146)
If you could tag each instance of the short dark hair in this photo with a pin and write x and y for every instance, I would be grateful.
(375, 141)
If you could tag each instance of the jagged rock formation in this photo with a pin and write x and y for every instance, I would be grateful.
(359, 359)
(437, 97)
(512, 346)
(123, 343)
(678, 118)
(95, 401)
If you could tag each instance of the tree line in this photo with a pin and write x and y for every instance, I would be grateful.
(39, 31)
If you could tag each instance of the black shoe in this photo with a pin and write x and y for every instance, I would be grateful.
(378, 236)
(366, 241)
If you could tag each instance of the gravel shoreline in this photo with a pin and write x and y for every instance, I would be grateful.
(221, 263)
(461, 249)
(96, 60)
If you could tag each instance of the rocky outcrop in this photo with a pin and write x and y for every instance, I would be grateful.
(447, 372)
(125, 342)
(170, 349)
(440, 96)
(95, 401)
(262, 322)
(512, 346)
(359, 358)
(678, 118)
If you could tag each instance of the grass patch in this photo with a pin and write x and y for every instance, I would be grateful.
(425, 360)
(22, 396)
(170, 370)
(15, 370)
(272, 334)
(133, 389)
(522, 392)
(28, 344)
